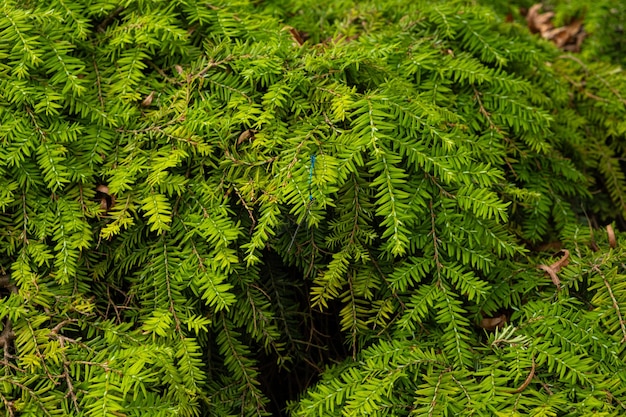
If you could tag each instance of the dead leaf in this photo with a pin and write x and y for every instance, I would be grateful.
(539, 22)
(298, 37)
(148, 100)
(246, 135)
(579, 41)
(563, 35)
(611, 236)
(561, 263)
(555, 279)
(107, 201)
(555, 268)
(492, 323)
(568, 37)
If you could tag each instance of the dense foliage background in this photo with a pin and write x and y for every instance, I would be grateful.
(311, 208)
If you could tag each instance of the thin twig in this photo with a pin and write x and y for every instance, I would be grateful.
(615, 304)
(68, 380)
(8, 405)
(529, 378)
(55, 330)
(245, 205)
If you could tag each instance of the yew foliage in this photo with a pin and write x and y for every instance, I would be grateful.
(303, 207)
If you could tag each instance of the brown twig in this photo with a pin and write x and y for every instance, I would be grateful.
(615, 304)
(68, 379)
(8, 405)
(213, 64)
(245, 205)
(529, 378)
(55, 330)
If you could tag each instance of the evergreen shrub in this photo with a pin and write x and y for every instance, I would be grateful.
(312, 208)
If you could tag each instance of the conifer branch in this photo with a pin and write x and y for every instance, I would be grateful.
(433, 234)
(68, 379)
(616, 307)
(107, 21)
(8, 405)
(446, 146)
(168, 283)
(606, 83)
(529, 378)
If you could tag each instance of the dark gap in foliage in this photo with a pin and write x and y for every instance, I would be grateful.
(320, 344)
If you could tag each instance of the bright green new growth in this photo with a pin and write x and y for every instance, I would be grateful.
(169, 248)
